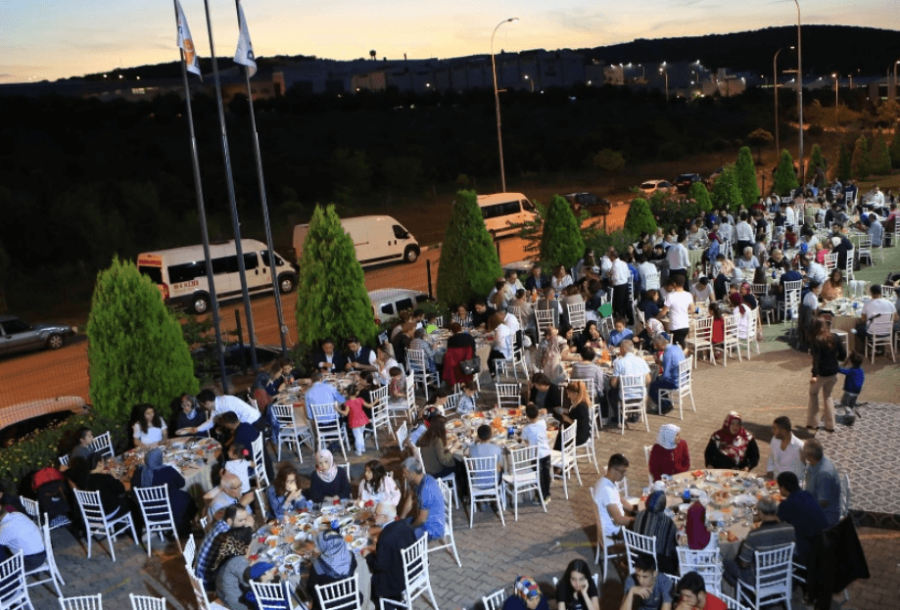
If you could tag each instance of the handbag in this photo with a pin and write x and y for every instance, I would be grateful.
(768, 302)
(471, 366)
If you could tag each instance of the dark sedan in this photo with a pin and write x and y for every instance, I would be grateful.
(588, 201)
(19, 336)
(684, 182)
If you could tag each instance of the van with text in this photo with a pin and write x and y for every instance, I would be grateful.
(377, 239)
(180, 273)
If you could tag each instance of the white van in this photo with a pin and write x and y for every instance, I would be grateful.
(389, 302)
(378, 239)
(180, 273)
(501, 210)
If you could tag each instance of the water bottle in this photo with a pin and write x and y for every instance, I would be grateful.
(510, 432)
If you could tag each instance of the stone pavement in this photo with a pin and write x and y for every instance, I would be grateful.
(541, 545)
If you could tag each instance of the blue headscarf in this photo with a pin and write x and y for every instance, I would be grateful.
(153, 461)
(335, 559)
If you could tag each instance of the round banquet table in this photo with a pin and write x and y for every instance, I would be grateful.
(463, 431)
(730, 516)
(482, 346)
(192, 457)
(289, 543)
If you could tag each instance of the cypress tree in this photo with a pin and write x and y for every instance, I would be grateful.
(895, 150)
(860, 164)
(880, 157)
(816, 160)
(639, 218)
(845, 170)
(726, 193)
(469, 261)
(331, 293)
(785, 179)
(699, 193)
(136, 349)
(746, 177)
(561, 241)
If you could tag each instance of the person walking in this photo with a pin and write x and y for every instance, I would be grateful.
(828, 352)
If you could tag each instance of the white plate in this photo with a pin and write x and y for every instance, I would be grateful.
(357, 544)
(745, 500)
(633, 501)
(684, 507)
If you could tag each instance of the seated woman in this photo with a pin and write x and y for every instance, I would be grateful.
(284, 494)
(152, 473)
(327, 482)
(526, 596)
(576, 589)
(376, 486)
(833, 287)
(150, 429)
(384, 362)
(420, 344)
(742, 314)
(732, 447)
(462, 316)
(229, 568)
(669, 456)
(90, 475)
(190, 415)
(335, 562)
(591, 336)
(436, 455)
(655, 523)
(578, 412)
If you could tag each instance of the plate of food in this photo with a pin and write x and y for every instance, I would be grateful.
(697, 474)
(357, 544)
(455, 424)
(721, 498)
(745, 500)
(292, 558)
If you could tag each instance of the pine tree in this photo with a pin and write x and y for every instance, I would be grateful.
(880, 157)
(726, 193)
(469, 261)
(895, 150)
(746, 177)
(561, 241)
(136, 349)
(860, 164)
(699, 193)
(639, 218)
(785, 179)
(816, 160)
(845, 169)
(332, 299)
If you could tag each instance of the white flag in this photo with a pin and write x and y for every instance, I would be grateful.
(186, 42)
(244, 54)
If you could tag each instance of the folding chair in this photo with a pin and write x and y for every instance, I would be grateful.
(143, 602)
(259, 461)
(576, 316)
(732, 341)
(880, 333)
(566, 459)
(700, 339)
(157, 512)
(84, 602)
(102, 445)
(49, 566)
(637, 543)
(482, 474)
(448, 540)
(632, 395)
(289, 431)
(328, 426)
(99, 523)
(706, 563)
(772, 579)
(380, 417)
(415, 575)
(203, 602)
(684, 390)
(603, 543)
(864, 249)
(272, 596)
(524, 476)
(543, 318)
(405, 409)
(791, 299)
(339, 595)
(190, 552)
(417, 365)
(848, 268)
(509, 395)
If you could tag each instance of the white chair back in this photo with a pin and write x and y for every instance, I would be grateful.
(189, 552)
(495, 600)
(98, 524)
(402, 435)
(416, 573)
(523, 476)
(452, 404)
(706, 563)
(32, 509)
(143, 602)
(328, 426)
(637, 543)
(64, 460)
(272, 596)
(157, 511)
(49, 566)
(13, 592)
(773, 577)
(651, 281)
(102, 445)
(449, 540)
(632, 394)
(508, 395)
(84, 602)
(259, 461)
(543, 318)
(831, 261)
(576, 316)
(339, 595)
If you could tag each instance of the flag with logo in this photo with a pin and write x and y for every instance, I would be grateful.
(186, 42)
(244, 54)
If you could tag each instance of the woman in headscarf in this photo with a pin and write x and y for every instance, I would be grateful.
(335, 562)
(154, 473)
(732, 447)
(670, 454)
(327, 482)
(526, 596)
(229, 567)
(698, 536)
(654, 522)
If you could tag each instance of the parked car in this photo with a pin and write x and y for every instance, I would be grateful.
(502, 211)
(587, 201)
(684, 181)
(377, 240)
(16, 335)
(388, 302)
(651, 186)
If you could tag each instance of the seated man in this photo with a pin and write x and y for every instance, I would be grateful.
(430, 518)
(385, 561)
(613, 505)
(226, 494)
(628, 364)
(800, 509)
(672, 357)
(329, 360)
(235, 515)
(645, 586)
(691, 594)
(321, 393)
(19, 533)
(771, 534)
(82, 449)
(360, 357)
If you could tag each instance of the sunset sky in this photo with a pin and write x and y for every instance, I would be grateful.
(50, 39)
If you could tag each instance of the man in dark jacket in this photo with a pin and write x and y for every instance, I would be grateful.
(329, 360)
(386, 562)
(800, 509)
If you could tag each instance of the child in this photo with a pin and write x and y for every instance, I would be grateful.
(535, 434)
(466, 402)
(484, 448)
(422, 426)
(397, 385)
(853, 384)
(239, 465)
(357, 421)
(718, 330)
(620, 333)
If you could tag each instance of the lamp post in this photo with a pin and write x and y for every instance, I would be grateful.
(800, 87)
(836, 102)
(775, 88)
(497, 102)
(895, 77)
(663, 70)
(530, 82)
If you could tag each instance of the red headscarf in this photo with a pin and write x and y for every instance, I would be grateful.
(732, 445)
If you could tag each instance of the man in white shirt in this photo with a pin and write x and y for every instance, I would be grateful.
(217, 405)
(512, 322)
(19, 533)
(227, 493)
(702, 290)
(677, 305)
(743, 233)
(625, 366)
(877, 308)
(619, 276)
(677, 257)
(613, 506)
(646, 269)
(725, 231)
(789, 218)
(513, 284)
(814, 271)
(786, 453)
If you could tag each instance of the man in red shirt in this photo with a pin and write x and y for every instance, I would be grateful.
(690, 594)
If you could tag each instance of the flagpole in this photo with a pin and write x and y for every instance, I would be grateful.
(229, 181)
(282, 328)
(201, 211)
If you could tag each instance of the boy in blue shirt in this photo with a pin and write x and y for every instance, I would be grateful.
(853, 384)
(620, 333)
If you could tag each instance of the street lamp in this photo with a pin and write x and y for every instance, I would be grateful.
(895, 76)
(775, 89)
(663, 70)
(800, 88)
(497, 102)
(531, 82)
(836, 101)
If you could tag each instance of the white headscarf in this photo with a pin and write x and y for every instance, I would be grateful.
(665, 438)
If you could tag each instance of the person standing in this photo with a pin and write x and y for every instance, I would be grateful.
(822, 480)
(619, 276)
(828, 352)
(678, 258)
(677, 305)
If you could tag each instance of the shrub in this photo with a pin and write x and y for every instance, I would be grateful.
(785, 179)
(620, 240)
(746, 177)
(845, 169)
(469, 262)
(700, 194)
(640, 218)
(860, 164)
(332, 299)
(895, 150)
(561, 241)
(136, 350)
(726, 193)
(880, 157)
(670, 210)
